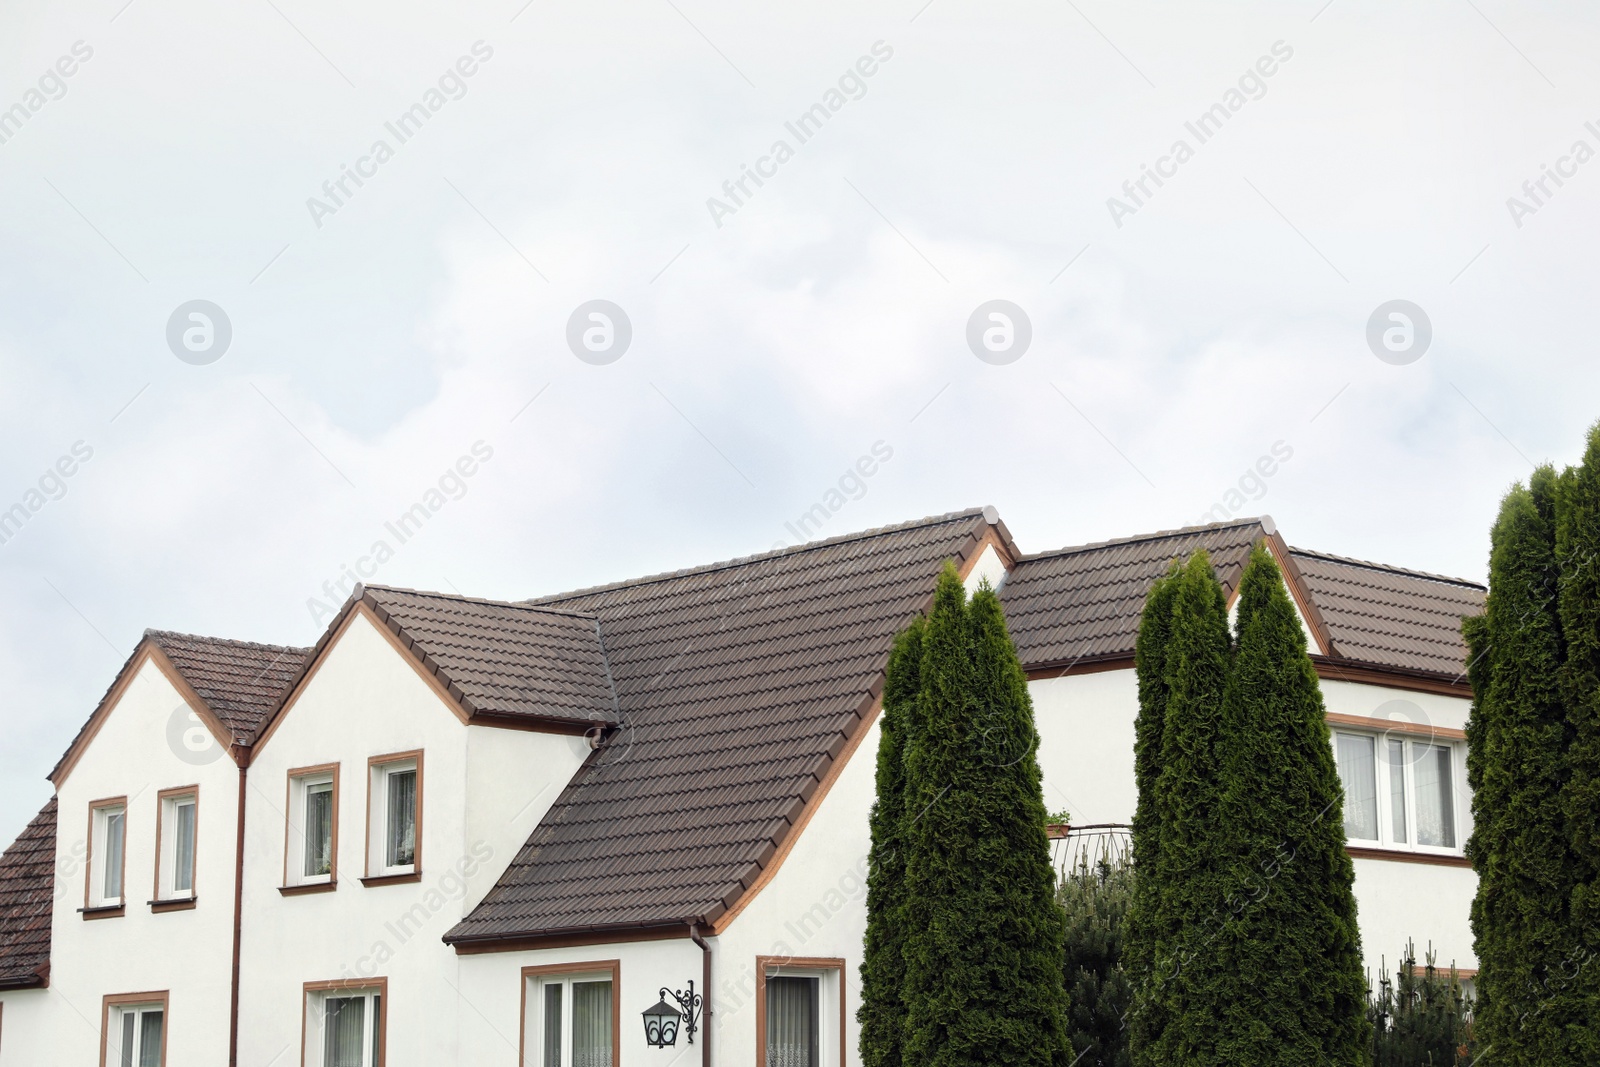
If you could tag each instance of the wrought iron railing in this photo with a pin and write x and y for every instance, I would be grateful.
(1075, 847)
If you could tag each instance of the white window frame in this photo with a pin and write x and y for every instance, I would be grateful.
(830, 1005)
(375, 1019)
(302, 782)
(101, 814)
(534, 982)
(379, 770)
(139, 1006)
(1385, 812)
(171, 800)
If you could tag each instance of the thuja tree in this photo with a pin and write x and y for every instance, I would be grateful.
(1517, 738)
(1289, 987)
(882, 1013)
(1534, 765)
(982, 933)
(1096, 898)
(1578, 559)
(1143, 1019)
(1177, 913)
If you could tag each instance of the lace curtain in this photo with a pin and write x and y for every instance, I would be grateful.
(792, 1031)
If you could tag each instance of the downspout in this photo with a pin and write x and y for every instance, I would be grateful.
(705, 1003)
(238, 918)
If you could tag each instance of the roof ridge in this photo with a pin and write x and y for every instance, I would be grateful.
(740, 561)
(236, 643)
(1158, 535)
(522, 605)
(1391, 568)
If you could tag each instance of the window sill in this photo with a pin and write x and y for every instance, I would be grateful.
(307, 890)
(392, 879)
(112, 911)
(1431, 858)
(160, 907)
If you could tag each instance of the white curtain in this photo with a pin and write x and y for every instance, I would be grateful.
(792, 1023)
(1358, 772)
(319, 830)
(183, 869)
(344, 1020)
(1436, 817)
(552, 1024)
(402, 819)
(113, 861)
(591, 1024)
(150, 1040)
(1397, 791)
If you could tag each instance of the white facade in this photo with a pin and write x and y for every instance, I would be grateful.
(372, 927)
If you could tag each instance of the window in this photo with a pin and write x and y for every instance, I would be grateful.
(135, 1030)
(570, 1015)
(800, 1019)
(311, 853)
(1398, 791)
(108, 833)
(176, 827)
(394, 828)
(345, 1023)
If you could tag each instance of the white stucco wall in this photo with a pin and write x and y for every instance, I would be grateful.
(25, 1036)
(482, 790)
(137, 753)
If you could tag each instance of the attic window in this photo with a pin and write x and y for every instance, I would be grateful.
(394, 829)
(312, 855)
(108, 832)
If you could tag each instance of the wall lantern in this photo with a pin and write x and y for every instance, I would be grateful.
(661, 1023)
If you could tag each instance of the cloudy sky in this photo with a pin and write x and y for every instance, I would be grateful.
(518, 160)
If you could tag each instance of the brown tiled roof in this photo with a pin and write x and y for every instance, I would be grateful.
(504, 659)
(239, 680)
(1083, 603)
(1387, 617)
(739, 684)
(27, 890)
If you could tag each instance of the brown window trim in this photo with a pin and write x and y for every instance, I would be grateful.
(116, 999)
(354, 985)
(1359, 852)
(764, 964)
(1443, 734)
(176, 903)
(371, 880)
(161, 907)
(333, 847)
(591, 967)
(104, 911)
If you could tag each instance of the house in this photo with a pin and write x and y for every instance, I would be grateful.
(491, 832)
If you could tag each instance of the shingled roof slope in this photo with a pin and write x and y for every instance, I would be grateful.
(505, 658)
(1387, 617)
(239, 680)
(1083, 603)
(27, 893)
(739, 684)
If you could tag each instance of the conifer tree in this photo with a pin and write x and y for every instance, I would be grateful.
(1576, 992)
(1175, 1007)
(1289, 987)
(983, 934)
(940, 766)
(882, 1012)
(1017, 1004)
(1096, 898)
(1143, 937)
(1517, 736)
